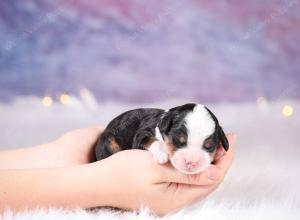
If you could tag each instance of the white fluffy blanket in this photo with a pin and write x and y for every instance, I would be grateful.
(263, 183)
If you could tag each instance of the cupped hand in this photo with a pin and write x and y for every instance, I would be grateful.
(73, 148)
(77, 147)
(135, 180)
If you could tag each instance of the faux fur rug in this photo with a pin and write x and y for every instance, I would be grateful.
(263, 183)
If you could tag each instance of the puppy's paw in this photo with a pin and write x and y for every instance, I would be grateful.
(160, 157)
(158, 152)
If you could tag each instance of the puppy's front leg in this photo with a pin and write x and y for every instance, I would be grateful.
(159, 152)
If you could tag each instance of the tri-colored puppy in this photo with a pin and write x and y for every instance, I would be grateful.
(188, 135)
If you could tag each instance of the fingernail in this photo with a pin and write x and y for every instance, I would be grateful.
(213, 173)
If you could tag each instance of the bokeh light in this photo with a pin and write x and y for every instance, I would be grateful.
(47, 101)
(64, 99)
(287, 110)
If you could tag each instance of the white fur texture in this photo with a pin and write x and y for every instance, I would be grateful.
(191, 154)
(199, 126)
(158, 151)
(263, 182)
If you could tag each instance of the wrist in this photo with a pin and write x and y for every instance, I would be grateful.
(70, 187)
(98, 183)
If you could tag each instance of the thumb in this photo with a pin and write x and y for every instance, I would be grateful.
(211, 175)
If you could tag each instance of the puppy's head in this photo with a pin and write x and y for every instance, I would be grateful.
(192, 135)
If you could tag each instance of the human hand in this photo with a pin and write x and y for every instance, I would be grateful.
(132, 179)
(127, 179)
(77, 147)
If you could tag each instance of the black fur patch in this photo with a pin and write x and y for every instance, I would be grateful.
(173, 124)
(136, 129)
(211, 143)
(132, 129)
(219, 133)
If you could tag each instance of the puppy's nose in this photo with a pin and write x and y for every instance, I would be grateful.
(192, 162)
(191, 165)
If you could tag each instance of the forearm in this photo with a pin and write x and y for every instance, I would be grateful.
(40, 156)
(60, 187)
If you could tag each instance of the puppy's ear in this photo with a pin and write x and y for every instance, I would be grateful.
(165, 123)
(223, 138)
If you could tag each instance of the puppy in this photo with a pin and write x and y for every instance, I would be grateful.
(189, 136)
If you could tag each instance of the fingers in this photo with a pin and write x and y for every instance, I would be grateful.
(214, 174)
(210, 176)
(225, 161)
(96, 130)
(188, 194)
(90, 132)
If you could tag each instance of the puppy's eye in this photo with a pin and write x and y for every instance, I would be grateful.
(182, 140)
(209, 145)
(179, 142)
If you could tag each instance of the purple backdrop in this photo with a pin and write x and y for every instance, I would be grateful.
(142, 51)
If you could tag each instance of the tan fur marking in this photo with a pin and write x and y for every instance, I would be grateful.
(171, 148)
(114, 146)
(148, 144)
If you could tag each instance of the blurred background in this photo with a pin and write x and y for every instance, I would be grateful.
(139, 52)
(76, 55)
